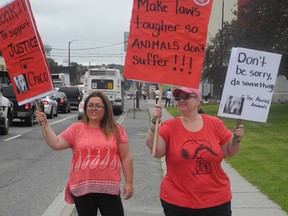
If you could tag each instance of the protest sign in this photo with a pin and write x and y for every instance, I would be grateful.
(249, 84)
(167, 41)
(23, 52)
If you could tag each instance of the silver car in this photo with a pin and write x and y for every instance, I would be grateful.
(50, 106)
(81, 107)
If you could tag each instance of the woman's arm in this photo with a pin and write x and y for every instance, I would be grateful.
(127, 166)
(54, 141)
(160, 143)
(233, 145)
(160, 150)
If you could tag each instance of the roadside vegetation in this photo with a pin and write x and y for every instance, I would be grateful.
(263, 158)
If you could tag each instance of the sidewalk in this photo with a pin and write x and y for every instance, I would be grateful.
(148, 171)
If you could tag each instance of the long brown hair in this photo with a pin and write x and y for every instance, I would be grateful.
(108, 123)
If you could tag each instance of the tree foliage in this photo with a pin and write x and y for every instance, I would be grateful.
(52, 62)
(265, 28)
(218, 53)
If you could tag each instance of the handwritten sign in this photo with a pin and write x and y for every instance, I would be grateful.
(249, 84)
(23, 52)
(167, 41)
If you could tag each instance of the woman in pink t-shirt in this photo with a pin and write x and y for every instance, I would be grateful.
(100, 148)
(194, 146)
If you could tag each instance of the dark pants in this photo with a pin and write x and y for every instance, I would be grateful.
(167, 102)
(108, 205)
(172, 210)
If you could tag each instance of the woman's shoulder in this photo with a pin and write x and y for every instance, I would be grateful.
(79, 125)
(120, 127)
(73, 129)
(171, 121)
(169, 127)
(210, 118)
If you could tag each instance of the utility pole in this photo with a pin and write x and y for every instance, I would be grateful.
(222, 45)
(69, 43)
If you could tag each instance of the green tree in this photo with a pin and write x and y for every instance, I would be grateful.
(265, 28)
(218, 53)
(79, 66)
(52, 62)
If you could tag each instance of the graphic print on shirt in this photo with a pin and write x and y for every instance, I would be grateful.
(100, 158)
(198, 150)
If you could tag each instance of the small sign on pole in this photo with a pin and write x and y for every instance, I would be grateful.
(249, 84)
(23, 51)
(167, 41)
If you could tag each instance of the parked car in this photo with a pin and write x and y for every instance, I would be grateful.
(81, 88)
(50, 106)
(129, 97)
(81, 107)
(73, 94)
(6, 114)
(25, 112)
(63, 102)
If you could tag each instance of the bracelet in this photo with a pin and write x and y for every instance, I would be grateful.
(154, 121)
(152, 129)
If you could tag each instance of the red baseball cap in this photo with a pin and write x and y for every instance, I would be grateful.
(194, 91)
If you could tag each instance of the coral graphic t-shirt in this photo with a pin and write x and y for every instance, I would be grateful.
(95, 166)
(195, 178)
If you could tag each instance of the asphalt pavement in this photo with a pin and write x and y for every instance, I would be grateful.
(148, 172)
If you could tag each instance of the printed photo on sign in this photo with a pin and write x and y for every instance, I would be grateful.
(21, 83)
(234, 105)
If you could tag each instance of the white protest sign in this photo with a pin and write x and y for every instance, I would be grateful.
(249, 84)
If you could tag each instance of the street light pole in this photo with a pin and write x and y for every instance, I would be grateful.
(222, 44)
(222, 33)
(69, 55)
(90, 63)
(222, 22)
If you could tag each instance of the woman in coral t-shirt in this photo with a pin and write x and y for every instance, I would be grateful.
(194, 146)
(100, 148)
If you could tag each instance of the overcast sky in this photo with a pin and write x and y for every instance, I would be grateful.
(91, 23)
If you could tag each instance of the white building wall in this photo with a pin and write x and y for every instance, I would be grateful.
(215, 22)
(281, 90)
(2, 64)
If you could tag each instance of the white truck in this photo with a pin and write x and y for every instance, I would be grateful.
(60, 80)
(6, 114)
(108, 81)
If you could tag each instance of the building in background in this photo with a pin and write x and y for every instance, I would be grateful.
(4, 77)
(218, 7)
(222, 11)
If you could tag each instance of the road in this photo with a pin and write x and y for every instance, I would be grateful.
(31, 174)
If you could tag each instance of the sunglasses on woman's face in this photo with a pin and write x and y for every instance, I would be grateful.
(184, 97)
